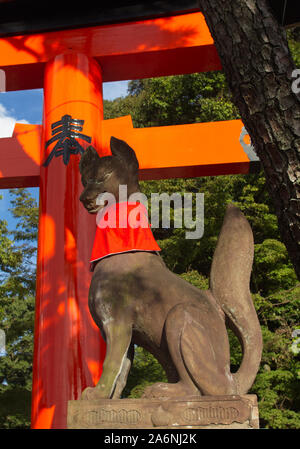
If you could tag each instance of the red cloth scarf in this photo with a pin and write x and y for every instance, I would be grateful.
(121, 228)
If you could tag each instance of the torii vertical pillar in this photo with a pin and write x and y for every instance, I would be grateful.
(68, 345)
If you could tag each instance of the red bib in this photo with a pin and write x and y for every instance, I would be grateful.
(121, 228)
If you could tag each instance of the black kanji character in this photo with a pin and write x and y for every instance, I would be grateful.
(66, 132)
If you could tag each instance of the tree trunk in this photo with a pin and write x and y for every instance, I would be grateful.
(256, 60)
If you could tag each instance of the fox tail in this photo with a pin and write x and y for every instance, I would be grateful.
(229, 283)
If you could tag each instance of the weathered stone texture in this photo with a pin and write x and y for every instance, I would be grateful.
(196, 412)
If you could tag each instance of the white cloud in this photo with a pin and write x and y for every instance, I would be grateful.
(7, 122)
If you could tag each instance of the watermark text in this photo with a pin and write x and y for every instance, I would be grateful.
(183, 210)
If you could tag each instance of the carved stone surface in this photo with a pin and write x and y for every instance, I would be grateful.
(194, 412)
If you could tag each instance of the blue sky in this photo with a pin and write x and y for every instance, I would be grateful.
(26, 107)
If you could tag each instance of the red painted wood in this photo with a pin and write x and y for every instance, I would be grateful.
(198, 149)
(157, 47)
(211, 149)
(20, 157)
(69, 349)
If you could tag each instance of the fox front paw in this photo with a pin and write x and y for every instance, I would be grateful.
(92, 394)
(162, 390)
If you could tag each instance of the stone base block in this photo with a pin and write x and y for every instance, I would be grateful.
(205, 412)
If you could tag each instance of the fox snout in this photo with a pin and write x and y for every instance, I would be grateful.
(88, 200)
(83, 197)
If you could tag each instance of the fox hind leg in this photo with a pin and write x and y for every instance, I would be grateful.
(198, 344)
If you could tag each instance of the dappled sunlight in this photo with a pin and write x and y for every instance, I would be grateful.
(94, 369)
(29, 137)
(74, 315)
(49, 227)
(61, 308)
(124, 50)
(66, 335)
(70, 246)
(45, 418)
(176, 31)
(61, 288)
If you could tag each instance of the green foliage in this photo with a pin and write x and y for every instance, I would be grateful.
(293, 36)
(277, 391)
(146, 372)
(272, 268)
(277, 383)
(17, 302)
(175, 100)
(15, 406)
(196, 279)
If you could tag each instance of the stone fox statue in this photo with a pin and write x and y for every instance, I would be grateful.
(135, 299)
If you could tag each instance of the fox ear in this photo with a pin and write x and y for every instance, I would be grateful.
(124, 152)
(90, 156)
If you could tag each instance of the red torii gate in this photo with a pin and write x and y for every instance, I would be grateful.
(71, 65)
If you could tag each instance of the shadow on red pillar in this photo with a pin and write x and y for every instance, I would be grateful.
(69, 349)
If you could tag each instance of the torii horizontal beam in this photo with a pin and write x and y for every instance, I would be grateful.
(134, 50)
(211, 149)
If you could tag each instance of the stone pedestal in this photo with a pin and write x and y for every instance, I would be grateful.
(206, 412)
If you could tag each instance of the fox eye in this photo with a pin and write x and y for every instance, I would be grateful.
(94, 181)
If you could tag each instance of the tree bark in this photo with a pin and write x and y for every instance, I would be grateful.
(258, 66)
